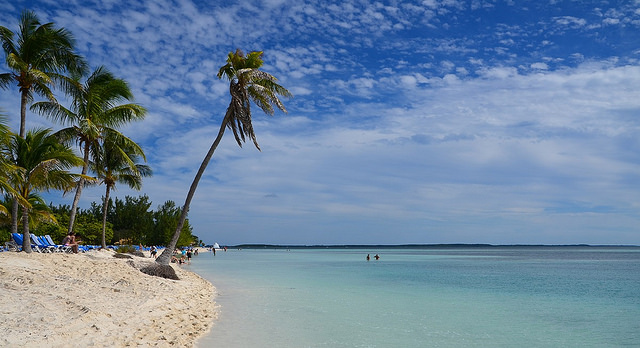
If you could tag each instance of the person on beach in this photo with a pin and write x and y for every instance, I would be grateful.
(153, 251)
(189, 255)
(70, 241)
(377, 257)
(368, 257)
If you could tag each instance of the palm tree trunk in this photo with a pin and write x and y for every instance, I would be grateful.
(26, 238)
(23, 111)
(14, 215)
(76, 198)
(104, 217)
(165, 257)
(23, 120)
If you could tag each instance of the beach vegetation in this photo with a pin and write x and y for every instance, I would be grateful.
(125, 249)
(132, 218)
(40, 59)
(125, 219)
(39, 211)
(117, 161)
(88, 226)
(247, 85)
(166, 219)
(38, 55)
(43, 164)
(6, 167)
(97, 110)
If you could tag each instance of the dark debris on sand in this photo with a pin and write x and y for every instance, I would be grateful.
(158, 270)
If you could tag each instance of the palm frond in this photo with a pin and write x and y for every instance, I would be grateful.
(5, 80)
(53, 110)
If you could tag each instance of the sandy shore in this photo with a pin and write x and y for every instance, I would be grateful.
(94, 299)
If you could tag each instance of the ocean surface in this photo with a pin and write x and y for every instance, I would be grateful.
(425, 297)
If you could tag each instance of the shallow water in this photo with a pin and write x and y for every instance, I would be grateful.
(458, 297)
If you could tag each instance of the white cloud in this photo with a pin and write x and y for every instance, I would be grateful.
(570, 21)
(539, 66)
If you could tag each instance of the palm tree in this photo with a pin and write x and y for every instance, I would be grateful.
(39, 57)
(39, 211)
(246, 84)
(6, 167)
(95, 110)
(117, 162)
(44, 164)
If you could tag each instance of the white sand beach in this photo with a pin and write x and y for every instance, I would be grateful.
(94, 299)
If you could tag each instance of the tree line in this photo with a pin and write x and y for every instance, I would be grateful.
(130, 221)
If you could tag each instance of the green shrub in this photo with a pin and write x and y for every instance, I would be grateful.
(125, 249)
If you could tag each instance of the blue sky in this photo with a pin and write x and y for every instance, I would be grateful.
(413, 121)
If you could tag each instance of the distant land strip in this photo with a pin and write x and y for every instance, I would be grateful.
(421, 246)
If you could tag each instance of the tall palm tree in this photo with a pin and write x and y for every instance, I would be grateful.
(39, 56)
(95, 110)
(246, 84)
(37, 59)
(44, 164)
(118, 162)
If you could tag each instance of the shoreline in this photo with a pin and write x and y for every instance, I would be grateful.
(95, 299)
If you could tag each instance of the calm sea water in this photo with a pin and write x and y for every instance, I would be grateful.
(457, 297)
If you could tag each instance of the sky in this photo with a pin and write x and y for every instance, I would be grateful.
(435, 121)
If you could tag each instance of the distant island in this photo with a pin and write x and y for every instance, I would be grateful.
(417, 246)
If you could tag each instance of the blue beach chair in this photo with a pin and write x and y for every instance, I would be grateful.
(44, 247)
(12, 245)
(59, 247)
(17, 238)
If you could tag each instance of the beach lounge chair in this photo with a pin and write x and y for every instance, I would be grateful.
(17, 238)
(12, 245)
(44, 248)
(53, 247)
(59, 247)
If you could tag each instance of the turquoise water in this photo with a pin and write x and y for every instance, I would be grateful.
(458, 297)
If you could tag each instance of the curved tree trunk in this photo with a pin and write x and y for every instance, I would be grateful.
(104, 217)
(165, 257)
(26, 238)
(76, 198)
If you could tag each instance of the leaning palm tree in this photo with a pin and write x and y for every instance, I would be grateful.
(118, 162)
(37, 58)
(95, 110)
(246, 84)
(44, 164)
